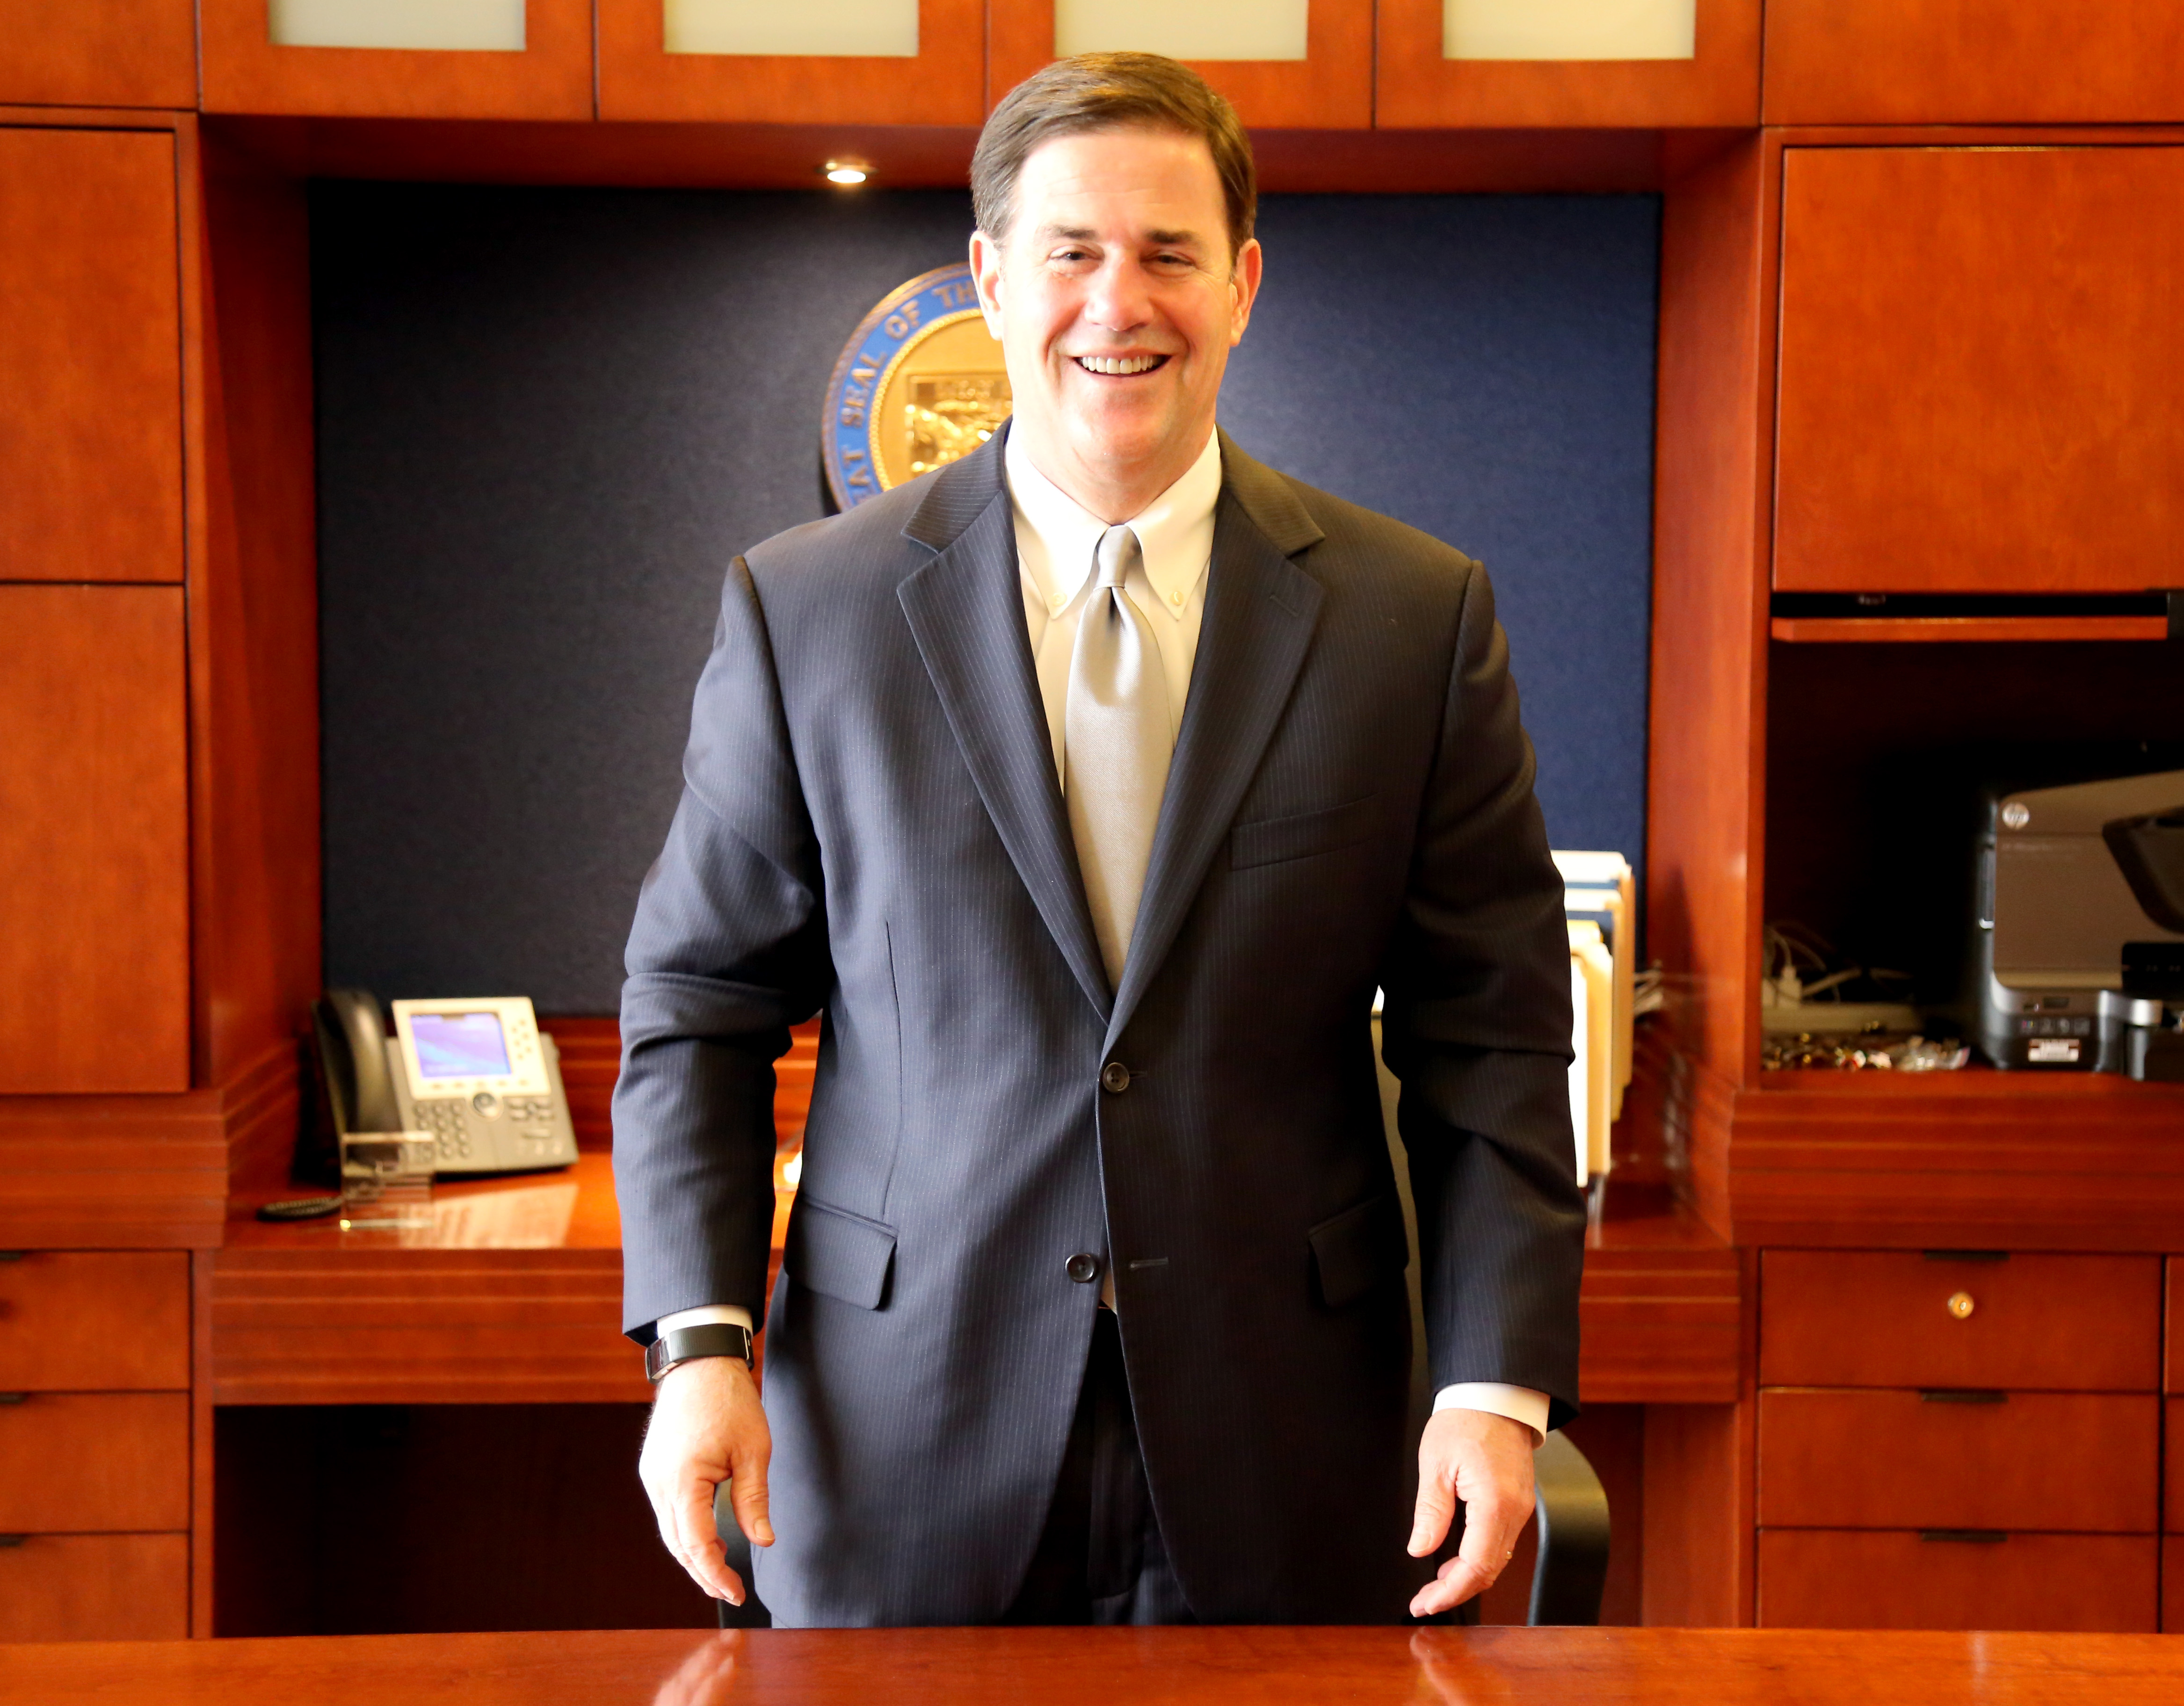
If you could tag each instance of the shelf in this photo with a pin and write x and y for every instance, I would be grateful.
(1885, 630)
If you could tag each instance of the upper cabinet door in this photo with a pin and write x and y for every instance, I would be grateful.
(99, 53)
(814, 62)
(1978, 388)
(1611, 64)
(399, 58)
(1949, 62)
(90, 379)
(94, 842)
(1285, 64)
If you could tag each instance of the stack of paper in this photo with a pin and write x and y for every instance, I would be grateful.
(1600, 897)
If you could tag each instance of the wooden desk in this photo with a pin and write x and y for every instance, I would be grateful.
(1118, 1667)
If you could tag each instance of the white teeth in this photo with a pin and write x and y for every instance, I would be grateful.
(1119, 364)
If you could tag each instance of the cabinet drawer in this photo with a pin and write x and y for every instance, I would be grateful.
(1830, 1317)
(95, 1462)
(1822, 1579)
(79, 1320)
(2172, 1498)
(95, 1587)
(2084, 1463)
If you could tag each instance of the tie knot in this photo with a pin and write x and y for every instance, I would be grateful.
(1118, 550)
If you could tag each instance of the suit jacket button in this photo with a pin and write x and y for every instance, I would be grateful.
(1115, 1077)
(1083, 1268)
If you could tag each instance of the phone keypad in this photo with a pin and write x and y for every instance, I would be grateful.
(443, 1119)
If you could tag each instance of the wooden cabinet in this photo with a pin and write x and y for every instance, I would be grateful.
(1974, 61)
(549, 77)
(91, 382)
(1418, 88)
(1905, 1318)
(1822, 1580)
(943, 83)
(94, 1463)
(99, 53)
(94, 841)
(1330, 88)
(95, 1587)
(94, 1320)
(1977, 353)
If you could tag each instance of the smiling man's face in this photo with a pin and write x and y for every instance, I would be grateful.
(1117, 304)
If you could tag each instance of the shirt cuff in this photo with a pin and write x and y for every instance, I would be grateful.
(1518, 1403)
(727, 1315)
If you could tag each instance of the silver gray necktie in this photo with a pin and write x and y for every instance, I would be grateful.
(1117, 742)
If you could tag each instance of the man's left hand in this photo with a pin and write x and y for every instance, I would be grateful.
(1485, 1461)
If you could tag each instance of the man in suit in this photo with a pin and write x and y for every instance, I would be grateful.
(1090, 787)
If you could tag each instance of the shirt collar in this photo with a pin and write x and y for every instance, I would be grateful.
(1175, 531)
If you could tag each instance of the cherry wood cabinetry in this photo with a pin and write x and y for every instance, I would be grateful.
(1419, 88)
(95, 1587)
(945, 84)
(99, 53)
(1912, 61)
(94, 841)
(88, 1321)
(551, 78)
(1330, 88)
(1975, 351)
(91, 437)
(91, 1462)
(1820, 1579)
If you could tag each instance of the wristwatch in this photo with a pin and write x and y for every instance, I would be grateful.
(688, 1344)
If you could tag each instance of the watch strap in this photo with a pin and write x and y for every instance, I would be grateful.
(688, 1344)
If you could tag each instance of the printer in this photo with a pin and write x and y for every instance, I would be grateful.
(2078, 940)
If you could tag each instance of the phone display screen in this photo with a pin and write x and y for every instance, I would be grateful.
(459, 1044)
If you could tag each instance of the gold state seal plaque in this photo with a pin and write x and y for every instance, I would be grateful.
(919, 384)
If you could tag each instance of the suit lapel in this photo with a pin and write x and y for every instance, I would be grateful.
(966, 612)
(1260, 611)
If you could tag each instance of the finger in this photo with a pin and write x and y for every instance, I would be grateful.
(747, 1493)
(1457, 1581)
(1491, 1523)
(698, 1543)
(1436, 1510)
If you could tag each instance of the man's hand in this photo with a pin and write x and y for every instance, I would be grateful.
(708, 1426)
(1485, 1460)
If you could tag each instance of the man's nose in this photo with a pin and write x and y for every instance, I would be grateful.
(1120, 297)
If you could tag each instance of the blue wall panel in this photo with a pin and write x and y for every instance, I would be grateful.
(548, 417)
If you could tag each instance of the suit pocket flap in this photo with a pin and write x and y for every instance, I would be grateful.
(840, 1254)
(1271, 840)
(1358, 1248)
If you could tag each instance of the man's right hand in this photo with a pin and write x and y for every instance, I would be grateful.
(708, 1427)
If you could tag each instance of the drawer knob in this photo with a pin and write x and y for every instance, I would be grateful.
(1960, 1305)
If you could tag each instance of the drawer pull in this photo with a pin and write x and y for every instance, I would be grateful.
(14, 1397)
(1965, 1255)
(13, 1255)
(1964, 1537)
(1960, 1305)
(9, 1540)
(1959, 1395)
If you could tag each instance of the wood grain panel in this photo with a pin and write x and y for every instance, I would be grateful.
(94, 1320)
(98, 1587)
(2172, 1350)
(2172, 1584)
(1974, 350)
(94, 840)
(1330, 88)
(1863, 1318)
(1698, 1512)
(1998, 630)
(943, 85)
(1660, 1327)
(93, 1463)
(1835, 1578)
(1419, 89)
(1966, 61)
(91, 441)
(1890, 1459)
(2172, 1458)
(243, 72)
(99, 53)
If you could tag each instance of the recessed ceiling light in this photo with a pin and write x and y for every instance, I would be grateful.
(845, 172)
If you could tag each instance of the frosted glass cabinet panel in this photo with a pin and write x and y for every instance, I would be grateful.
(814, 29)
(1202, 29)
(1569, 29)
(489, 25)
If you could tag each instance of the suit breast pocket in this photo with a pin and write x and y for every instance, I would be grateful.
(1270, 840)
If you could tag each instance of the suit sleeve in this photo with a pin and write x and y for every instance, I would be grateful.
(728, 950)
(1477, 1027)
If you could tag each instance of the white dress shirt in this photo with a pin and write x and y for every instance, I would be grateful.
(1057, 538)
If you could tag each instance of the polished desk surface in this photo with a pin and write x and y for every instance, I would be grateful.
(1160, 1667)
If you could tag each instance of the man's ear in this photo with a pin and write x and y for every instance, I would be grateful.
(1244, 288)
(986, 276)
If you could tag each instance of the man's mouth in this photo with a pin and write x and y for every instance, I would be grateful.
(1119, 366)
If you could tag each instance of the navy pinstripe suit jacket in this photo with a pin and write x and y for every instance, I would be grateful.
(871, 829)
